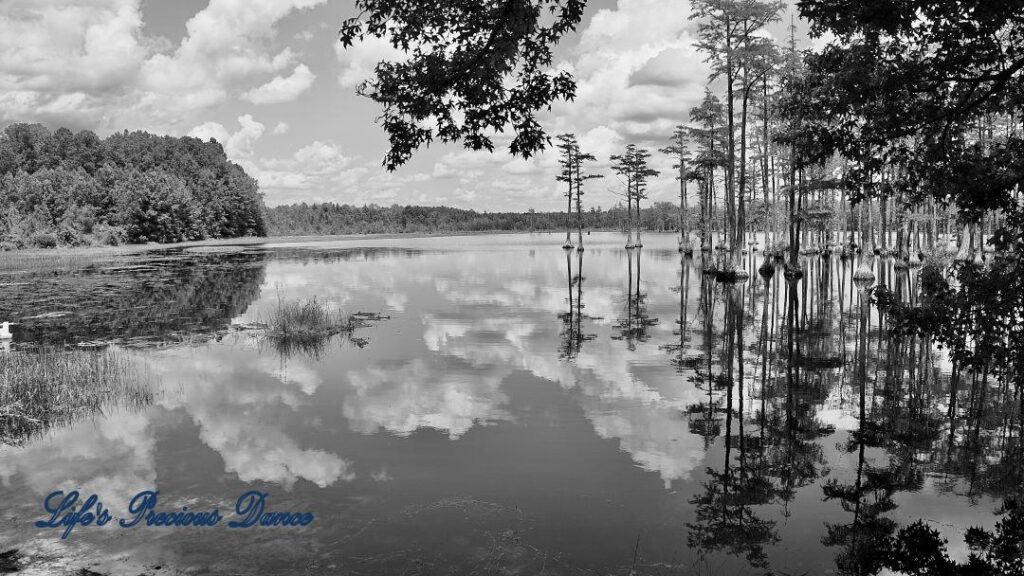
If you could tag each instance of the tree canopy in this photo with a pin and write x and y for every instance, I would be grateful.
(65, 188)
(471, 69)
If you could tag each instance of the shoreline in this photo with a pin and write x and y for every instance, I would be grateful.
(34, 259)
(256, 240)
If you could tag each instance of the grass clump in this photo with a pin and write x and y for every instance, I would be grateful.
(47, 387)
(305, 326)
(308, 319)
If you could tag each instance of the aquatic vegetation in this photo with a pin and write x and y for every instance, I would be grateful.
(148, 298)
(43, 260)
(308, 319)
(49, 386)
(306, 326)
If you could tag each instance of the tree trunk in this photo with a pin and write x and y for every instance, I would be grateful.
(568, 219)
(730, 169)
(742, 216)
(884, 215)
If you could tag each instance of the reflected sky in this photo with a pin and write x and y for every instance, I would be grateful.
(464, 420)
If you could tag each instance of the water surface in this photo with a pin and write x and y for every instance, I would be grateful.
(521, 409)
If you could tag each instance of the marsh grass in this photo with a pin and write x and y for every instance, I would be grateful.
(48, 387)
(39, 260)
(306, 319)
(305, 326)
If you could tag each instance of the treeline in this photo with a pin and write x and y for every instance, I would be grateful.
(329, 218)
(71, 189)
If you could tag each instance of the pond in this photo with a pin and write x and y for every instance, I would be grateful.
(515, 408)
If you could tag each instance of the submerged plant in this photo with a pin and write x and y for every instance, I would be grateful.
(48, 387)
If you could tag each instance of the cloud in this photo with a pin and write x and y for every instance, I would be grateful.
(91, 66)
(238, 145)
(359, 60)
(638, 57)
(231, 404)
(281, 128)
(74, 67)
(282, 89)
(226, 48)
(317, 171)
(664, 70)
(402, 398)
(111, 457)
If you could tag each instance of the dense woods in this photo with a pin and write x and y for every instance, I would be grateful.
(328, 218)
(69, 189)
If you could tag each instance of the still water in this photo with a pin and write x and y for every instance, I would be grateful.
(518, 409)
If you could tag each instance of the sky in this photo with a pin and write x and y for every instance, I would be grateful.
(269, 80)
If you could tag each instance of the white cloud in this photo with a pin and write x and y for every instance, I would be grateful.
(91, 66)
(281, 128)
(638, 71)
(282, 89)
(228, 45)
(315, 172)
(358, 61)
(423, 394)
(75, 66)
(239, 145)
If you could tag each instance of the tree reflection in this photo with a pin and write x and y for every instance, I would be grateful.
(165, 296)
(635, 326)
(572, 321)
(724, 509)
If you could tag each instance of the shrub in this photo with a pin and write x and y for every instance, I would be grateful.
(43, 240)
(106, 235)
(69, 237)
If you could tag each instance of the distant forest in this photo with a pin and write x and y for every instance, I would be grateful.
(330, 218)
(70, 189)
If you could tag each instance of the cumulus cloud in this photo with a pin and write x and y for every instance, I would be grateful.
(358, 61)
(316, 165)
(402, 398)
(637, 58)
(227, 46)
(281, 88)
(78, 61)
(230, 404)
(91, 65)
(112, 458)
(318, 169)
(238, 145)
(664, 70)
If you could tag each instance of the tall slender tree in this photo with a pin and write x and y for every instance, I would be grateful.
(708, 135)
(726, 32)
(680, 154)
(622, 164)
(579, 177)
(642, 172)
(568, 148)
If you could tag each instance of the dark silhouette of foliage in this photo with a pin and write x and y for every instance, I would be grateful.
(470, 69)
(918, 549)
